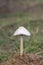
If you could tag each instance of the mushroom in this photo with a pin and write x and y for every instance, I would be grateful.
(21, 31)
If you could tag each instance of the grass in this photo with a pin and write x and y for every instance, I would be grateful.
(9, 44)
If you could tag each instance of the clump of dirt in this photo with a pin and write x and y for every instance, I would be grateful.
(26, 59)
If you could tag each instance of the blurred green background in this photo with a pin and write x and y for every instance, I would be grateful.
(27, 13)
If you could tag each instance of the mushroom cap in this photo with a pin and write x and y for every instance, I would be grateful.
(22, 31)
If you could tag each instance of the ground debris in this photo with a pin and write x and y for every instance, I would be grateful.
(26, 59)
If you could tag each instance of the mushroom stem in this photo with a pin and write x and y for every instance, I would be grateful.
(21, 46)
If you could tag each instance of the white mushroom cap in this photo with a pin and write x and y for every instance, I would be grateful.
(22, 31)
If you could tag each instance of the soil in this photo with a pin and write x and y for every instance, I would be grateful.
(26, 59)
